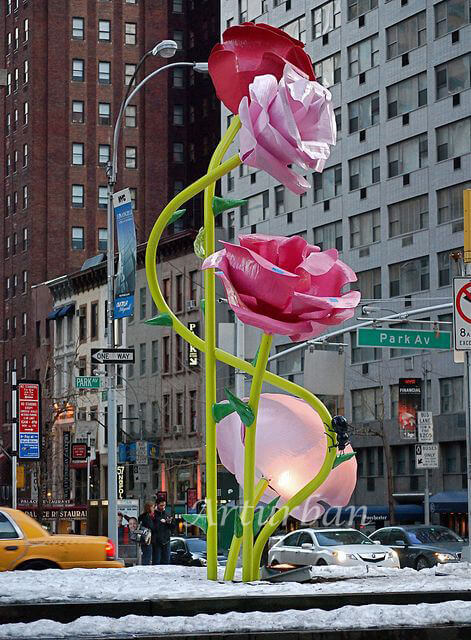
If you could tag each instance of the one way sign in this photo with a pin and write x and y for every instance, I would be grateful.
(113, 356)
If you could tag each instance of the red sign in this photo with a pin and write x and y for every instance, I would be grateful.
(28, 407)
(191, 499)
(79, 451)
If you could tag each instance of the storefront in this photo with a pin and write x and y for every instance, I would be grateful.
(61, 519)
(452, 510)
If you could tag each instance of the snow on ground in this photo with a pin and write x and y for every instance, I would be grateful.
(367, 616)
(150, 583)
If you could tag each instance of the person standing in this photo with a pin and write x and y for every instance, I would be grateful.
(163, 530)
(148, 519)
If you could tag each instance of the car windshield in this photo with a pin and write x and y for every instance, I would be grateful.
(431, 535)
(196, 545)
(347, 536)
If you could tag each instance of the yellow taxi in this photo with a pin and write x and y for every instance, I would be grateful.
(24, 544)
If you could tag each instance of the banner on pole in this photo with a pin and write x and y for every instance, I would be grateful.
(66, 440)
(127, 252)
(29, 420)
(410, 402)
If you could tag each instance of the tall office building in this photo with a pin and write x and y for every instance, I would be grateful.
(390, 200)
(68, 64)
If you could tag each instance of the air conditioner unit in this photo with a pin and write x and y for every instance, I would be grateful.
(178, 429)
(191, 305)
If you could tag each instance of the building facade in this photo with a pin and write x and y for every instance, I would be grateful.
(389, 199)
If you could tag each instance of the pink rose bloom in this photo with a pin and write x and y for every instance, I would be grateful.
(290, 449)
(287, 122)
(284, 285)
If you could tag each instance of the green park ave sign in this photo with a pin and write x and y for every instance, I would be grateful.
(87, 382)
(403, 339)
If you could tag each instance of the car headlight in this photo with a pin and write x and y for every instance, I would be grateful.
(392, 555)
(203, 562)
(339, 555)
(444, 557)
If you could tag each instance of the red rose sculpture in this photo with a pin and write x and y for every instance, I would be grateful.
(249, 50)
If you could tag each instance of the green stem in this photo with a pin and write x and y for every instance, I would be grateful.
(249, 460)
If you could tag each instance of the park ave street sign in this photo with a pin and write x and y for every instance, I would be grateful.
(113, 356)
(87, 382)
(403, 339)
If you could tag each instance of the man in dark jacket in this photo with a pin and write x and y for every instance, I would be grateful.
(161, 534)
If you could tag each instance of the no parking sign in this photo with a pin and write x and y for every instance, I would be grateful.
(462, 313)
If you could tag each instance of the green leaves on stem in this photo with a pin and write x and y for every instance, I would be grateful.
(199, 243)
(175, 216)
(196, 519)
(222, 204)
(342, 458)
(234, 404)
(162, 320)
(220, 410)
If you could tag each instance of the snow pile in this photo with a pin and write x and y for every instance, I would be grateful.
(362, 617)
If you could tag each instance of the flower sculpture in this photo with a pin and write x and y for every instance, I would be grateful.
(298, 454)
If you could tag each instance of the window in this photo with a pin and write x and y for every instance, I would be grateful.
(193, 285)
(193, 412)
(453, 76)
(78, 193)
(155, 356)
(329, 236)
(328, 184)
(296, 29)
(166, 353)
(8, 84)
(78, 240)
(103, 154)
(178, 78)
(409, 277)
(131, 158)
(451, 15)
(142, 359)
(77, 111)
(24, 323)
(17, 37)
(143, 303)
(178, 152)
(143, 415)
(133, 193)
(326, 18)
(155, 415)
(104, 113)
(177, 6)
(25, 155)
(365, 228)
(450, 202)
(178, 117)
(77, 153)
(167, 291)
(104, 30)
(25, 113)
(104, 72)
(328, 71)
(230, 225)
(25, 239)
(178, 37)
(407, 155)
(129, 71)
(102, 239)
(25, 72)
(408, 95)
(131, 116)
(78, 70)
(363, 113)
(451, 395)
(279, 200)
(255, 209)
(359, 7)
(15, 243)
(130, 33)
(179, 353)
(408, 216)
(368, 283)
(94, 320)
(7, 530)
(102, 197)
(363, 56)
(367, 404)
(180, 410)
(447, 268)
(179, 292)
(454, 139)
(230, 181)
(78, 28)
(406, 35)
(8, 124)
(25, 196)
(15, 161)
(82, 323)
(364, 170)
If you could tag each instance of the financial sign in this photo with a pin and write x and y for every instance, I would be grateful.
(29, 395)
(403, 339)
(410, 401)
(426, 456)
(462, 313)
(424, 426)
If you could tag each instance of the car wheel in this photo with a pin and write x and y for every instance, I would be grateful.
(321, 562)
(421, 563)
(37, 565)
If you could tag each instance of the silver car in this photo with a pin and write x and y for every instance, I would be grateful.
(344, 547)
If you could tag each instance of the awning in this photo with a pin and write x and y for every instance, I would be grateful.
(403, 512)
(449, 502)
(60, 312)
(52, 315)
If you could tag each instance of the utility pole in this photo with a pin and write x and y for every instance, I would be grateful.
(467, 271)
(88, 467)
(14, 439)
(426, 491)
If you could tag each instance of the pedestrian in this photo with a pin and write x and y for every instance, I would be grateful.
(148, 519)
(163, 526)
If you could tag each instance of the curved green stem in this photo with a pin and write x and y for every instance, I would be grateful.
(249, 459)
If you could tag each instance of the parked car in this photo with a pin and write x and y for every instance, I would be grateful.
(421, 546)
(24, 544)
(191, 552)
(345, 547)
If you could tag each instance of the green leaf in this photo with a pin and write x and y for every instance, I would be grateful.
(221, 409)
(243, 410)
(162, 320)
(175, 216)
(343, 458)
(198, 245)
(266, 514)
(222, 204)
(238, 528)
(197, 519)
(203, 305)
(254, 361)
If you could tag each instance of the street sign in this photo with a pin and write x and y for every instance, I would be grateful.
(29, 395)
(113, 356)
(462, 313)
(426, 456)
(403, 338)
(142, 473)
(141, 452)
(424, 426)
(87, 382)
(79, 451)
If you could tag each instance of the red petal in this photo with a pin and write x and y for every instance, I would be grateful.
(299, 58)
(280, 32)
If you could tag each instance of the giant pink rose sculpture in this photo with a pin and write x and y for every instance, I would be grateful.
(284, 123)
(284, 285)
(290, 449)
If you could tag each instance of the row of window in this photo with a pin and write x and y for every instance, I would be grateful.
(11, 201)
(11, 285)
(104, 151)
(11, 243)
(104, 30)
(11, 160)
(173, 406)
(13, 38)
(176, 291)
(13, 78)
(78, 239)
(12, 366)
(12, 119)
(11, 326)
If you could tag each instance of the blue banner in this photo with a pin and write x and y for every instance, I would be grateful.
(125, 283)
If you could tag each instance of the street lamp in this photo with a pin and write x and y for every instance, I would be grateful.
(165, 49)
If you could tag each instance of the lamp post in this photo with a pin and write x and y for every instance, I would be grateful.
(166, 49)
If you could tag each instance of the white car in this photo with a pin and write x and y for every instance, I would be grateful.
(344, 547)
